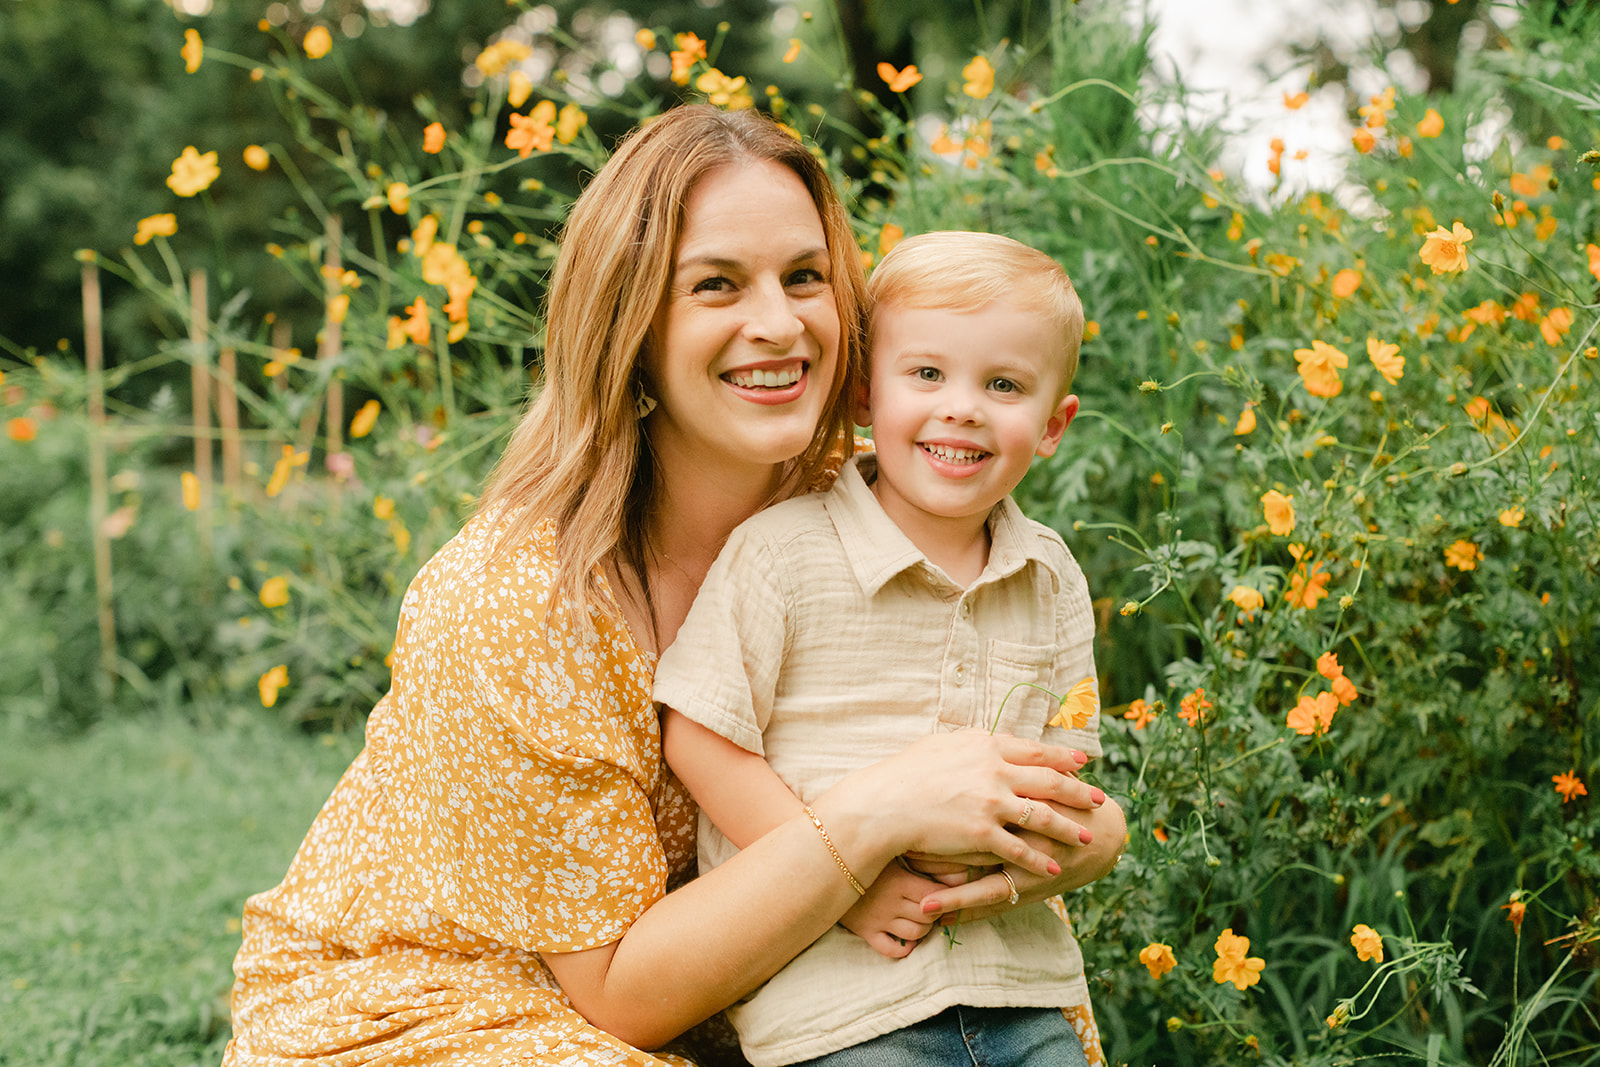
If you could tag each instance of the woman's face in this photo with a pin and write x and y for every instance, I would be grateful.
(744, 348)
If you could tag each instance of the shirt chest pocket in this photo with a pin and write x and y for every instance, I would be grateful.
(1016, 678)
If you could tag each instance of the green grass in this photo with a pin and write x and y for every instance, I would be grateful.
(125, 857)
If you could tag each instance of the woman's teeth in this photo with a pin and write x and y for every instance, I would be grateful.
(766, 379)
(955, 455)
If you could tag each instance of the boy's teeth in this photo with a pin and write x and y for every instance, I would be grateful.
(767, 379)
(955, 455)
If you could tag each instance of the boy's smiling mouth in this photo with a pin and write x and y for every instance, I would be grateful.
(953, 455)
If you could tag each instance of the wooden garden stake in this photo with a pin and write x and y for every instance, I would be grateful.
(200, 385)
(333, 332)
(99, 497)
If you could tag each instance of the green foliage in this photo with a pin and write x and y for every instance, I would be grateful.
(1351, 714)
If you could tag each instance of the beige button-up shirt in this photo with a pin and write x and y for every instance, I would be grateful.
(824, 640)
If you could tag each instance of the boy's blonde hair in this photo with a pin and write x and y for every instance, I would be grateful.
(580, 455)
(960, 270)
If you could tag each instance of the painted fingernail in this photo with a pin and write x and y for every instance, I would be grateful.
(1079, 756)
(1084, 835)
(929, 907)
(1097, 796)
(1053, 867)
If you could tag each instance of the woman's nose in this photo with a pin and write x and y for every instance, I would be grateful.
(773, 318)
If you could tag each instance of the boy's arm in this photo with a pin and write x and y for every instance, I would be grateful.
(736, 788)
(745, 798)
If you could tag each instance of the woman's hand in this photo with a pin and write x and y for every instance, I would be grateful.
(990, 895)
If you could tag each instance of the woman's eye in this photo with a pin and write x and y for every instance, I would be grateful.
(712, 285)
(928, 374)
(807, 277)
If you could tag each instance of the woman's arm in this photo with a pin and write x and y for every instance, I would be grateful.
(725, 933)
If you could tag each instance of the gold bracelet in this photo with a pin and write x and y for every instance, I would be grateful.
(826, 840)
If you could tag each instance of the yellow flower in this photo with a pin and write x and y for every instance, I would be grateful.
(723, 91)
(1345, 283)
(1446, 250)
(690, 48)
(569, 122)
(275, 592)
(433, 138)
(1555, 325)
(1594, 259)
(1534, 183)
(271, 682)
(1078, 706)
(383, 507)
(191, 490)
(889, 236)
(153, 226)
(1463, 556)
(1368, 945)
(1232, 963)
(980, 78)
(317, 42)
(1512, 517)
(1432, 124)
(339, 307)
(289, 460)
(518, 89)
(1247, 598)
(645, 39)
(1247, 421)
(193, 172)
(1279, 512)
(414, 324)
(1158, 958)
(256, 157)
(500, 55)
(1295, 101)
(535, 130)
(1319, 368)
(399, 197)
(1307, 587)
(1387, 359)
(364, 419)
(794, 50)
(901, 80)
(1364, 140)
(192, 51)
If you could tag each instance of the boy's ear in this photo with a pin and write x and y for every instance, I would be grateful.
(1057, 425)
(864, 405)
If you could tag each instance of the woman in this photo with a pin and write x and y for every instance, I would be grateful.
(489, 881)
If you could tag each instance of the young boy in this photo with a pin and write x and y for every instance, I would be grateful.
(912, 596)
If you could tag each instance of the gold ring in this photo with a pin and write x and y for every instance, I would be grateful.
(1007, 876)
(1026, 811)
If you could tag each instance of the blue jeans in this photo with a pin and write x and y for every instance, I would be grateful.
(979, 1037)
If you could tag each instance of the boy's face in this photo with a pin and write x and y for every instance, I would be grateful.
(959, 403)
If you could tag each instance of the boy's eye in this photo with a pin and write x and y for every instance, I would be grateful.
(1004, 385)
(928, 374)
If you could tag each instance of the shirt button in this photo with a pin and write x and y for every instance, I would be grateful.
(966, 609)
(960, 673)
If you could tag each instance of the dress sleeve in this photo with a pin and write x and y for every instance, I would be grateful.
(520, 758)
(722, 668)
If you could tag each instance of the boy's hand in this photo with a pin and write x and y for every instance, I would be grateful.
(889, 917)
(946, 872)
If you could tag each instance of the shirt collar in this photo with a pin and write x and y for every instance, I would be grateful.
(877, 549)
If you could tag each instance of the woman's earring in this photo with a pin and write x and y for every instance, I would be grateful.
(644, 403)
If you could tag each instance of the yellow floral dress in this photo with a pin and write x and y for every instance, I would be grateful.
(511, 799)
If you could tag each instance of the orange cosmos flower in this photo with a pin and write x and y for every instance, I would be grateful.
(1313, 716)
(193, 172)
(1328, 666)
(271, 682)
(289, 460)
(979, 77)
(1534, 183)
(1192, 708)
(1319, 368)
(1140, 714)
(1526, 307)
(1279, 512)
(571, 119)
(1555, 325)
(1307, 588)
(1594, 259)
(22, 429)
(1078, 706)
(192, 51)
(316, 43)
(888, 237)
(1247, 599)
(1516, 911)
(1387, 359)
(164, 225)
(498, 56)
(535, 130)
(1432, 124)
(1487, 313)
(256, 157)
(1345, 283)
(433, 138)
(1295, 101)
(1368, 945)
(1344, 690)
(1446, 250)
(365, 419)
(899, 80)
(1232, 963)
(1512, 517)
(690, 48)
(1463, 556)
(1364, 140)
(1158, 958)
(1569, 786)
(1247, 421)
